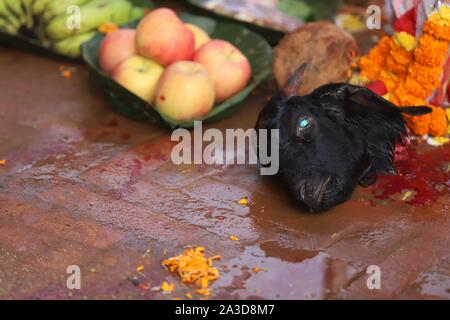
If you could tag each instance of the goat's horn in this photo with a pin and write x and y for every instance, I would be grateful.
(291, 87)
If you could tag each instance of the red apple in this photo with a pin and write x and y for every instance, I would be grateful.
(185, 91)
(116, 47)
(229, 69)
(201, 37)
(163, 37)
(139, 75)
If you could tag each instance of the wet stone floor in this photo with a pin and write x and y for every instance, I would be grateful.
(84, 186)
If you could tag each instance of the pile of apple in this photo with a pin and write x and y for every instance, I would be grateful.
(174, 66)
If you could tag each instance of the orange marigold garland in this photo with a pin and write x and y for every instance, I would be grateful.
(439, 32)
(371, 65)
(418, 124)
(430, 52)
(438, 125)
(412, 73)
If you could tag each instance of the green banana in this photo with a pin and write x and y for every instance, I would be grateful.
(27, 7)
(15, 7)
(137, 13)
(121, 13)
(7, 27)
(59, 7)
(93, 15)
(39, 6)
(72, 46)
(3, 9)
(10, 17)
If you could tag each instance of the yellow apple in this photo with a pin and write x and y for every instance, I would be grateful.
(201, 37)
(139, 75)
(185, 91)
(163, 37)
(227, 66)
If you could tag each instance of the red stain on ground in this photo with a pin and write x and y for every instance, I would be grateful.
(136, 169)
(112, 123)
(423, 173)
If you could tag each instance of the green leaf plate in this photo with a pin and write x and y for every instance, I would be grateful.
(255, 48)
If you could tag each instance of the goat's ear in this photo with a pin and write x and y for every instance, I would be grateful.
(368, 99)
(291, 87)
(380, 122)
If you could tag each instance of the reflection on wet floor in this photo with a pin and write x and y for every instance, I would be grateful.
(285, 273)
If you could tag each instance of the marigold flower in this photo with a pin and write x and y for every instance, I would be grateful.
(438, 124)
(405, 40)
(391, 80)
(438, 31)
(425, 75)
(369, 69)
(419, 125)
(418, 90)
(431, 52)
(393, 66)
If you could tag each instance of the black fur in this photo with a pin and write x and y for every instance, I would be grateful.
(350, 139)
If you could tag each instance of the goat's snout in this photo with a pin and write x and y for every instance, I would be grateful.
(311, 192)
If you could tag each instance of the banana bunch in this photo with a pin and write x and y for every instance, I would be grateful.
(63, 25)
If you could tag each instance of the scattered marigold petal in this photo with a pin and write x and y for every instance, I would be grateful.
(144, 286)
(407, 195)
(167, 287)
(193, 267)
(189, 295)
(256, 269)
(66, 74)
(243, 201)
(2, 162)
(234, 238)
(203, 292)
(108, 27)
(140, 268)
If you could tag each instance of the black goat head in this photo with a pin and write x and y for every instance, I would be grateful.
(332, 139)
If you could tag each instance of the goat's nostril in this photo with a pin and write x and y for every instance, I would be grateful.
(312, 193)
(302, 191)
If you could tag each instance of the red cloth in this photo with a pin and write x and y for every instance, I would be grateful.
(378, 87)
(407, 22)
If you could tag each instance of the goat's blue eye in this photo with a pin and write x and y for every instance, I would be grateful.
(304, 123)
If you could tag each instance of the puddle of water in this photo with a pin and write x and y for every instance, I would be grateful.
(433, 284)
(284, 273)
